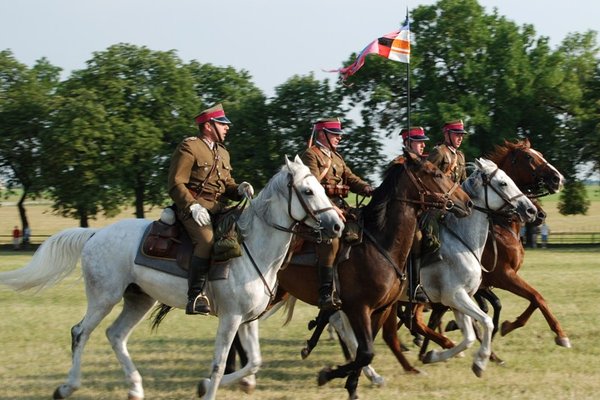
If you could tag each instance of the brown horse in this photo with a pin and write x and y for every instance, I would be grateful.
(535, 177)
(372, 278)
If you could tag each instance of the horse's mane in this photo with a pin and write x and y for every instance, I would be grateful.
(375, 211)
(500, 152)
(261, 204)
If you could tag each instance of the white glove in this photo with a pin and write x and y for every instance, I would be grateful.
(246, 189)
(200, 214)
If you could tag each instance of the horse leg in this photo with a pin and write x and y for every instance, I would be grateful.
(97, 309)
(428, 330)
(319, 324)
(390, 336)
(135, 306)
(490, 296)
(361, 326)
(340, 323)
(521, 288)
(227, 328)
(248, 336)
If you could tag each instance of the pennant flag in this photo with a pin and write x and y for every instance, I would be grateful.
(393, 46)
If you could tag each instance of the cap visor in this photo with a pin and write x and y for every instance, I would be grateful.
(223, 120)
(334, 131)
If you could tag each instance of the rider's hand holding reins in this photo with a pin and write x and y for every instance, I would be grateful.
(246, 189)
(200, 214)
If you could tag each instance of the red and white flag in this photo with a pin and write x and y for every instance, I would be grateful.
(393, 46)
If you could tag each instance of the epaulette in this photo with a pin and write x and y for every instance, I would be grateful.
(221, 145)
(190, 138)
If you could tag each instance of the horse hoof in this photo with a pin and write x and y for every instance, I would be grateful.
(477, 370)
(563, 341)
(202, 387)
(56, 395)
(504, 328)
(323, 376)
(305, 352)
(494, 358)
(134, 397)
(428, 358)
(247, 387)
(353, 396)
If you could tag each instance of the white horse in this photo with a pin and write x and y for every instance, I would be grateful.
(454, 280)
(291, 197)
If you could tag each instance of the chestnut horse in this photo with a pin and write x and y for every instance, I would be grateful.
(536, 177)
(371, 279)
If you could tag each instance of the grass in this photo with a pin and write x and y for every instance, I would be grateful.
(35, 347)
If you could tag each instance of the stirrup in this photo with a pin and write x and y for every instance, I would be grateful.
(330, 302)
(199, 305)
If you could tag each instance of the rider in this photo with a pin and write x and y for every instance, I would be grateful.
(451, 161)
(446, 156)
(414, 139)
(199, 183)
(328, 165)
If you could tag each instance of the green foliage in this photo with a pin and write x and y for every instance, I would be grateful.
(573, 199)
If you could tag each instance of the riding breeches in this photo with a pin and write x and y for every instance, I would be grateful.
(202, 237)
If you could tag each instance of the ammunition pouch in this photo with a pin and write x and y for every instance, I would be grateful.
(336, 190)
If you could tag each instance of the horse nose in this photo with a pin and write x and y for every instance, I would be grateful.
(469, 204)
(337, 228)
(541, 215)
(531, 212)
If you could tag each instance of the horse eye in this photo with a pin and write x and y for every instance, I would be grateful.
(308, 192)
(503, 184)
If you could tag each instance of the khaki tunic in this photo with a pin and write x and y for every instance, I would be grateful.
(337, 174)
(450, 162)
(200, 175)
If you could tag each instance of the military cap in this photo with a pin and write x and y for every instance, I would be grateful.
(415, 133)
(456, 126)
(329, 125)
(215, 113)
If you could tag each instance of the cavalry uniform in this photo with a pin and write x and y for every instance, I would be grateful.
(450, 160)
(200, 174)
(338, 180)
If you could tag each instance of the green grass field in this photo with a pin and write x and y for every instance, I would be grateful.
(35, 347)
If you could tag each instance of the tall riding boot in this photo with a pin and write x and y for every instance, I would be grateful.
(326, 299)
(197, 301)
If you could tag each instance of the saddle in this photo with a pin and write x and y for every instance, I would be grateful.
(167, 247)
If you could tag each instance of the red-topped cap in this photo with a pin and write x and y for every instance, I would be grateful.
(215, 113)
(454, 127)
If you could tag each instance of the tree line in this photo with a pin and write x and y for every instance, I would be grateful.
(102, 138)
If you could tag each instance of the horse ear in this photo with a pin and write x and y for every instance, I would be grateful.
(479, 163)
(288, 162)
(298, 160)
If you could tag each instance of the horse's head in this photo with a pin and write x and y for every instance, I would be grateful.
(528, 168)
(307, 202)
(494, 191)
(436, 189)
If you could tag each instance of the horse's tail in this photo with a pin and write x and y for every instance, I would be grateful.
(158, 314)
(55, 259)
(289, 302)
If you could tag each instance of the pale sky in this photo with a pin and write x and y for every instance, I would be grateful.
(271, 39)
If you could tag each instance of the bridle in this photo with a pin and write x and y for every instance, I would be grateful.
(538, 187)
(299, 226)
(506, 210)
(428, 198)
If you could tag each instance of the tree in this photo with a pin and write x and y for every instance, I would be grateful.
(573, 199)
(250, 141)
(149, 100)
(26, 101)
(81, 173)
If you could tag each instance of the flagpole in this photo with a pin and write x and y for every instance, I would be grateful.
(408, 87)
